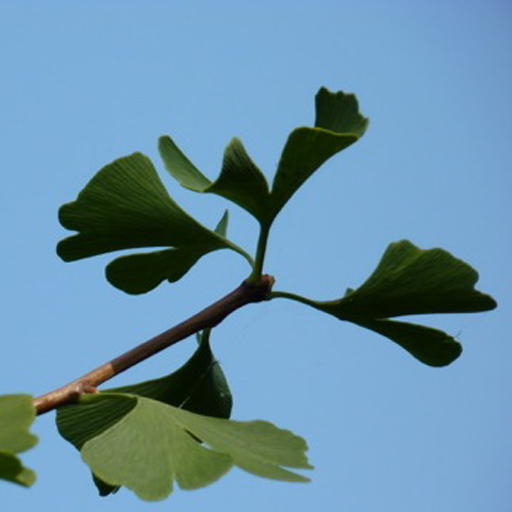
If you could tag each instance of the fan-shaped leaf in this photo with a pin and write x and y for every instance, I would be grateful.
(338, 125)
(16, 415)
(411, 281)
(240, 180)
(154, 444)
(408, 281)
(199, 386)
(125, 206)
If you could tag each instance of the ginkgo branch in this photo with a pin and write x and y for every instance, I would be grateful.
(246, 293)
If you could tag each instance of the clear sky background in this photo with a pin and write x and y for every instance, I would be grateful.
(84, 83)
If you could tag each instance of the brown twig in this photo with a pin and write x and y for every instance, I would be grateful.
(246, 293)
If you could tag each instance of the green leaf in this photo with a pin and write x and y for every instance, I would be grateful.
(16, 415)
(154, 444)
(141, 437)
(126, 206)
(411, 281)
(141, 273)
(338, 125)
(199, 386)
(240, 180)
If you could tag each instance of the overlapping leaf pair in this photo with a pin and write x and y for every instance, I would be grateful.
(148, 435)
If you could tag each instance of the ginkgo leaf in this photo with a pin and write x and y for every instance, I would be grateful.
(411, 281)
(142, 272)
(126, 206)
(16, 415)
(136, 436)
(407, 281)
(151, 444)
(199, 386)
(240, 180)
(338, 124)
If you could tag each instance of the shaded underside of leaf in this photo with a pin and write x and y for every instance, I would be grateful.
(240, 180)
(17, 413)
(409, 281)
(125, 206)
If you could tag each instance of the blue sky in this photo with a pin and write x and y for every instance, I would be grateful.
(84, 84)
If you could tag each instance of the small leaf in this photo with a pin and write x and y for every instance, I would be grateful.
(16, 415)
(152, 445)
(411, 281)
(240, 180)
(338, 125)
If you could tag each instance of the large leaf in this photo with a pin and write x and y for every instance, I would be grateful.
(151, 444)
(199, 386)
(141, 437)
(411, 281)
(16, 415)
(338, 124)
(140, 273)
(408, 281)
(240, 180)
(126, 206)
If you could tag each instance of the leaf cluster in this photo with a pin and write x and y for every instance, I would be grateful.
(176, 429)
